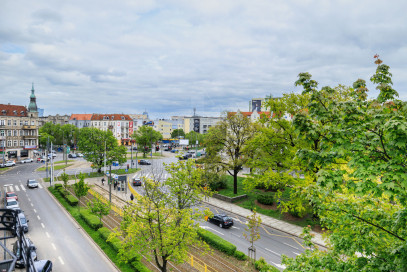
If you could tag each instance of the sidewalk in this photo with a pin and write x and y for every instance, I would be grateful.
(280, 225)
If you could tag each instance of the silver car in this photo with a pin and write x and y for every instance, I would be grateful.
(23, 221)
(32, 183)
(11, 203)
(10, 163)
(27, 160)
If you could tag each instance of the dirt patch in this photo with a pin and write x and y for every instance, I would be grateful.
(267, 207)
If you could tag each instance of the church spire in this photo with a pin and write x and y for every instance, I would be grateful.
(32, 107)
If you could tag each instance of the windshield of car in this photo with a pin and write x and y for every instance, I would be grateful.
(32, 181)
(11, 194)
(11, 202)
(22, 220)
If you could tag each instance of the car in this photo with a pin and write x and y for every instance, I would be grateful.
(174, 151)
(72, 156)
(17, 252)
(79, 155)
(43, 159)
(2, 165)
(43, 266)
(32, 183)
(168, 149)
(27, 160)
(183, 157)
(9, 163)
(23, 221)
(136, 182)
(144, 162)
(12, 195)
(134, 148)
(221, 220)
(11, 203)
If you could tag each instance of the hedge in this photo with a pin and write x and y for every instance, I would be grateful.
(92, 220)
(240, 255)
(73, 201)
(262, 266)
(57, 185)
(115, 243)
(265, 199)
(217, 242)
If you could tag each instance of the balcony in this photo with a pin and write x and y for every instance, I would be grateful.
(29, 127)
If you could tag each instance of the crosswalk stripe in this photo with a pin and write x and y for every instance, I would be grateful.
(17, 188)
(22, 187)
(39, 186)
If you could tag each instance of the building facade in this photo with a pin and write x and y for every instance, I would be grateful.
(55, 119)
(80, 120)
(200, 124)
(121, 125)
(164, 127)
(18, 130)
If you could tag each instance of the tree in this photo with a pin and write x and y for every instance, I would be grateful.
(94, 143)
(252, 233)
(156, 228)
(98, 207)
(193, 136)
(65, 177)
(225, 145)
(81, 188)
(145, 136)
(362, 199)
(178, 133)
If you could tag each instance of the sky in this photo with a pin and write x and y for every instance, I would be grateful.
(171, 56)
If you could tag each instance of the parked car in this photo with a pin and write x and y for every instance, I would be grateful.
(2, 165)
(174, 151)
(10, 163)
(27, 160)
(79, 155)
(167, 149)
(17, 252)
(183, 157)
(11, 203)
(72, 156)
(32, 183)
(12, 195)
(221, 220)
(144, 162)
(136, 182)
(134, 148)
(23, 221)
(43, 266)
(43, 159)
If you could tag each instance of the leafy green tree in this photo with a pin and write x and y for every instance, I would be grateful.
(193, 136)
(145, 137)
(361, 197)
(70, 134)
(98, 207)
(225, 145)
(80, 188)
(65, 177)
(158, 230)
(94, 143)
(45, 138)
(252, 233)
(177, 133)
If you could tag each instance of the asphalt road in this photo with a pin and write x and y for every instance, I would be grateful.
(56, 236)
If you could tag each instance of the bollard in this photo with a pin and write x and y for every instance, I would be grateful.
(192, 261)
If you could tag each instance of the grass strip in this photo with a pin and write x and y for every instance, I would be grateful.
(56, 167)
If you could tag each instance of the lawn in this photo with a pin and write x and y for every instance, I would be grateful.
(63, 161)
(56, 167)
(251, 202)
(96, 174)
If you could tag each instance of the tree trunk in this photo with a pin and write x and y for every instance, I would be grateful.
(235, 182)
(164, 266)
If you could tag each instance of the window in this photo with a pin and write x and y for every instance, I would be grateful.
(2, 133)
(32, 123)
(26, 142)
(9, 143)
(21, 143)
(21, 122)
(15, 133)
(9, 122)
(9, 132)
(15, 122)
(15, 142)
(2, 122)
(104, 123)
(25, 122)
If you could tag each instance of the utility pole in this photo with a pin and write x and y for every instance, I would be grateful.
(131, 162)
(136, 157)
(52, 167)
(110, 185)
(46, 158)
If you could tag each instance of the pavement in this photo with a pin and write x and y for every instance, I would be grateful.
(119, 198)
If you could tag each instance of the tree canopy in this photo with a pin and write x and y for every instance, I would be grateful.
(145, 137)
(178, 133)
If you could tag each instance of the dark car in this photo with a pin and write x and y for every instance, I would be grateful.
(221, 220)
(144, 162)
(168, 149)
(183, 157)
(136, 182)
(17, 252)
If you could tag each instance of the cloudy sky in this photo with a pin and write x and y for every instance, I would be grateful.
(169, 56)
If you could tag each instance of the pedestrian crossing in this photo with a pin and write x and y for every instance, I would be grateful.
(160, 176)
(17, 187)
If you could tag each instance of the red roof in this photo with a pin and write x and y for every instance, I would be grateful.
(112, 117)
(248, 113)
(81, 117)
(13, 110)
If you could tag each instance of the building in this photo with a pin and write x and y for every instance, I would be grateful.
(164, 127)
(139, 120)
(253, 116)
(200, 124)
(80, 120)
(121, 125)
(55, 119)
(18, 130)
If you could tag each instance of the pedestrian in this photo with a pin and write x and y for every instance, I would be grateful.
(114, 185)
(103, 181)
(131, 197)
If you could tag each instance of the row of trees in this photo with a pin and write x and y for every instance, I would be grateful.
(352, 153)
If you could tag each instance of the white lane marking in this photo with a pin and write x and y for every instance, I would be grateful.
(60, 259)
(291, 246)
(278, 265)
(29, 199)
(42, 225)
(32, 205)
(17, 188)
(205, 227)
(47, 234)
(235, 227)
(52, 244)
(35, 210)
(235, 235)
(38, 217)
(22, 187)
(39, 186)
(272, 251)
(296, 253)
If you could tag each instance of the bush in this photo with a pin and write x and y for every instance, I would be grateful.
(139, 266)
(262, 266)
(265, 199)
(217, 242)
(57, 185)
(104, 233)
(73, 201)
(240, 255)
(90, 219)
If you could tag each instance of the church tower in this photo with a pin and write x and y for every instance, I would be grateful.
(32, 107)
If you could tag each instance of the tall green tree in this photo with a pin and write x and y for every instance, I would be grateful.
(252, 233)
(145, 137)
(225, 145)
(193, 136)
(98, 207)
(362, 200)
(81, 188)
(178, 133)
(94, 143)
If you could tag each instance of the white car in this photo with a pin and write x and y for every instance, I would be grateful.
(32, 183)
(9, 163)
(27, 160)
(11, 203)
(79, 154)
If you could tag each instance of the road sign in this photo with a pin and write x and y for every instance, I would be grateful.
(68, 149)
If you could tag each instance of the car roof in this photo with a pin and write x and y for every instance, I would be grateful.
(8, 193)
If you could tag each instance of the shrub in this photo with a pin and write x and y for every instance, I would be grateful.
(240, 255)
(265, 199)
(217, 242)
(58, 185)
(90, 219)
(138, 266)
(104, 233)
(73, 201)
(262, 266)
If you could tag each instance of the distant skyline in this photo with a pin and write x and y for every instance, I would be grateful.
(170, 56)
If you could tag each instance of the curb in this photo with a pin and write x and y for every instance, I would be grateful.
(78, 226)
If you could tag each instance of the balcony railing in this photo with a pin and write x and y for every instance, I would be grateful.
(29, 127)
